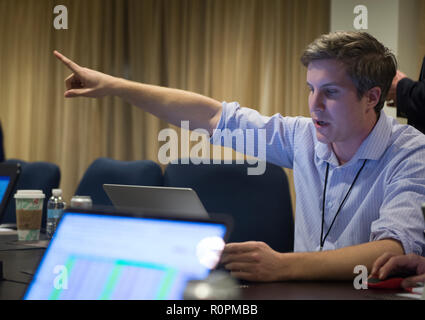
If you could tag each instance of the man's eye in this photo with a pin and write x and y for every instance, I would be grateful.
(331, 92)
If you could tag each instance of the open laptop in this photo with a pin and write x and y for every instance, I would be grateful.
(180, 201)
(105, 255)
(9, 174)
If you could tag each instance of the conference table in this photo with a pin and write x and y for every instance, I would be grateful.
(20, 260)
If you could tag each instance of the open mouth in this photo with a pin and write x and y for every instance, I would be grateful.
(320, 123)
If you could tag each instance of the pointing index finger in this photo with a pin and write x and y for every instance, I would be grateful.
(69, 63)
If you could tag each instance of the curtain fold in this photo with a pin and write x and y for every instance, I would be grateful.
(422, 29)
(231, 50)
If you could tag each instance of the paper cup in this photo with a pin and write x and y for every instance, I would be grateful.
(29, 210)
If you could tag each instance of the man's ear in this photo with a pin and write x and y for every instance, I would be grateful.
(372, 97)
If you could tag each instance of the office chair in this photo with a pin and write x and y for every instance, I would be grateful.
(105, 170)
(34, 175)
(260, 205)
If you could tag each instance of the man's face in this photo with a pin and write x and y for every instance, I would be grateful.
(338, 114)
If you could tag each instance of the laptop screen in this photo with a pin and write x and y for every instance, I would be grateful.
(4, 183)
(95, 256)
(9, 173)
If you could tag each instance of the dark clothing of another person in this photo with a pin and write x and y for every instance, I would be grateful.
(411, 100)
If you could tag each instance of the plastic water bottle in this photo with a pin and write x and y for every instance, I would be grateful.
(55, 208)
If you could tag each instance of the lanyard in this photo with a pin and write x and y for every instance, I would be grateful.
(322, 240)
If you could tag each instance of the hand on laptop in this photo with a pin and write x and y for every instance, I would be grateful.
(390, 264)
(252, 261)
(84, 82)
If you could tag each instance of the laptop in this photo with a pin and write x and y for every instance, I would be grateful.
(107, 255)
(9, 174)
(180, 201)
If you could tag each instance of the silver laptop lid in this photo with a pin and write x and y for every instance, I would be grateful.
(180, 201)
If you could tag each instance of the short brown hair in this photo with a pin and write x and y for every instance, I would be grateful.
(369, 63)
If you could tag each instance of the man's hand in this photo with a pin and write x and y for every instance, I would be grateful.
(253, 261)
(85, 82)
(390, 264)
(392, 93)
(170, 105)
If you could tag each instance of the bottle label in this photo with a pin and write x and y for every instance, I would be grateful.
(54, 213)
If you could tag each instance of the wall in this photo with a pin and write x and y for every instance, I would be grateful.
(393, 22)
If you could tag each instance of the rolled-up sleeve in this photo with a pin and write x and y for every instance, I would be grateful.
(270, 139)
(400, 216)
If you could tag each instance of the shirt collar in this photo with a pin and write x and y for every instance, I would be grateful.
(371, 148)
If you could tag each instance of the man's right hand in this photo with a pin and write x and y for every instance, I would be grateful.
(170, 105)
(84, 82)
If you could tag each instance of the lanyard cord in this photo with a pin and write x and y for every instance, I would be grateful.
(322, 240)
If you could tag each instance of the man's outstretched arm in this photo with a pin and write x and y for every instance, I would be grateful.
(171, 105)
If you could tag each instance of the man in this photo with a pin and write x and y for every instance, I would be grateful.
(409, 98)
(359, 176)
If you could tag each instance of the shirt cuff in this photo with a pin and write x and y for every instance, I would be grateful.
(409, 245)
(228, 110)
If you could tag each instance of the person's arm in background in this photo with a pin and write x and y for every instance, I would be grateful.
(389, 264)
(392, 92)
(171, 105)
(408, 95)
(410, 98)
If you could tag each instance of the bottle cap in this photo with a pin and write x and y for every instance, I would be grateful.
(57, 192)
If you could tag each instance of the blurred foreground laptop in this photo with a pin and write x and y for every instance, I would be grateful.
(180, 201)
(9, 174)
(110, 256)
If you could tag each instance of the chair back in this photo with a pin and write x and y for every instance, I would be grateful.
(259, 204)
(106, 170)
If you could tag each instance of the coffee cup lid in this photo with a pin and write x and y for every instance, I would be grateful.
(25, 194)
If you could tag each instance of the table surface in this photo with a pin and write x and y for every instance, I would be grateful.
(20, 264)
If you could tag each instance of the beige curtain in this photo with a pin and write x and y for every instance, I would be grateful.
(232, 50)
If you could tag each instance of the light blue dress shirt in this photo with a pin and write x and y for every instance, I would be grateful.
(386, 200)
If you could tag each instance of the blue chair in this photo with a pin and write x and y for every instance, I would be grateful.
(105, 170)
(34, 175)
(260, 205)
